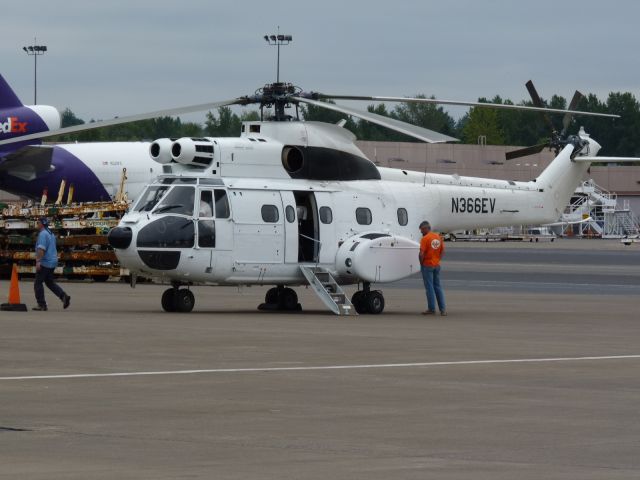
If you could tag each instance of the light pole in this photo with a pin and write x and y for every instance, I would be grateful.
(35, 51)
(278, 40)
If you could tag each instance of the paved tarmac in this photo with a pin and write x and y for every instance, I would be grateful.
(529, 381)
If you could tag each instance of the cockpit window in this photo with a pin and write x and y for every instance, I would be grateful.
(150, 198)
(167, 232)
(179, 200)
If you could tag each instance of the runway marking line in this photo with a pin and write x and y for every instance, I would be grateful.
(325, 367)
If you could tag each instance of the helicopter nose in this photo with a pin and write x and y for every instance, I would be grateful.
(120, 237)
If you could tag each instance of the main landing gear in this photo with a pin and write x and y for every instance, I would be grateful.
(281, 298)
(176, 299)
(367, 300)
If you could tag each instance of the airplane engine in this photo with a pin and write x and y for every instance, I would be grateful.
(193, 151)
(378, 257)
(160, 150)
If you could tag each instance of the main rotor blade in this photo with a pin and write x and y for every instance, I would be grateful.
(127, 119)
(414, 131)
(523, 152)
(566, 121)
(438, 101)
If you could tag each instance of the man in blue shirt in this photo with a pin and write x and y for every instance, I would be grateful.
(46, 262)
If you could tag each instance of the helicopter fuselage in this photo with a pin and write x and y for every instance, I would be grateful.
(254, 209)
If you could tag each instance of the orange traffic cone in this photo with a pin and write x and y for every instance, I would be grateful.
(14, 304)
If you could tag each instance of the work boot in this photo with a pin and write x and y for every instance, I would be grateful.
(40, 308)
(66, 301)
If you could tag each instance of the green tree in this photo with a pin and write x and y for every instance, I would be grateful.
(227, 123)
(483, 122)
(426, 115)
(69, 119)
(313, 113)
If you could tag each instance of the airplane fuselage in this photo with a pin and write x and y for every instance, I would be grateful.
(95, 170)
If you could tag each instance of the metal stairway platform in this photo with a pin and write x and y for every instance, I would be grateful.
(328, 290)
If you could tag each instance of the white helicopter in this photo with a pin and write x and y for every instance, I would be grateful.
(293, 203)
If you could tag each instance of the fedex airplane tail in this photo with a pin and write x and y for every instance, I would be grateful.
(17, 120)
(8, 98)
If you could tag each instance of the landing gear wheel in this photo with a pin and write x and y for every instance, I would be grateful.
(185, 301)
(288, 299)
(271, 297)
(375, 302)
(168, 301)
(359, 302)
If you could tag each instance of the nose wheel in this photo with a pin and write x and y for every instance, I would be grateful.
(368, 301)
(178, 300)
(281, 298)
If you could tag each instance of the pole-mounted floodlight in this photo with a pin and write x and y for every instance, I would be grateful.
(278, 40)
(34, 51)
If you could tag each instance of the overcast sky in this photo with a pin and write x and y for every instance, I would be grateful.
(114, 58)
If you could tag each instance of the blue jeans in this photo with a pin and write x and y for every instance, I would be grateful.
(431, 278)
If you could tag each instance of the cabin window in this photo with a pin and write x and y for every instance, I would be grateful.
(205, 208)
(222, 204)
(290, 214)
(270, 213)
(326, 215)
(206, 234)
(363, 216)
(403, 216)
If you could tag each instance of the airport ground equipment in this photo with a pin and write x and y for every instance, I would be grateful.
(81, 232)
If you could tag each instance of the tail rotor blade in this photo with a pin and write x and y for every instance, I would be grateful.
(523, 152)
(566, 121)
(537, 101)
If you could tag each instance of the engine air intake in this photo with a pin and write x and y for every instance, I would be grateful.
(193, 151)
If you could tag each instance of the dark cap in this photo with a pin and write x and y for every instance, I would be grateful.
(44, 221)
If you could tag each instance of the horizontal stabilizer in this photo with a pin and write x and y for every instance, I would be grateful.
(558, 224)
(28, 162)
(607, 159)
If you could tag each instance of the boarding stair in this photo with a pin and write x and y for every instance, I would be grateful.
(630, 226)
(328, 290)
(623, 224)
